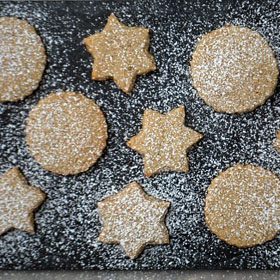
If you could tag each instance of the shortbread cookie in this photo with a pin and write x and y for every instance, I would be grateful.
(18, 201)
(243, 205)
(133, 219)
(66, 133)
(22, 59)
(120, 53)
(276, 142)
(234, 69)
(164, 141)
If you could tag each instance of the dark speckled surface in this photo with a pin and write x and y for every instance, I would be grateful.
(143, 275)
(68, 223)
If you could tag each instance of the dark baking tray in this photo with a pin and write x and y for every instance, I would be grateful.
(68, 223)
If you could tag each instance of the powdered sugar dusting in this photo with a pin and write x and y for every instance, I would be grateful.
(234, 69)
(18, 200)
(134, 220)
(68, 223)
(243, 205)
(22, 59)
(120, 52)
(66, 133)
(164, 141)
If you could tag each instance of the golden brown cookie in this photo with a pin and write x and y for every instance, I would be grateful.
(164, 141)
(234, 69)
(243, 205)
(22, 59)
(134, 220)
(276, 142)
(18, 201)
(120, 53)
(66, 133)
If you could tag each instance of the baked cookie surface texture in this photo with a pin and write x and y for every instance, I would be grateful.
(22, 59)
(66, 133)
(164, 141)
(133, 219)
(234, 69)
(120, 53)
(276, 143)
(242, 205)
(18, 201)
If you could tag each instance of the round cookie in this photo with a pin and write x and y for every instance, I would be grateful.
(66, 133)
(233, 69)
(22, 59)
(242, 205)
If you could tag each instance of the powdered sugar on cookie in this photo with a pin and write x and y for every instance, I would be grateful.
(18, 201)
(22, 59)
(66, 132)
(120, 52)
(133, 219)
(164, 141)
(71, 241)
(242, 205)
(234, 69)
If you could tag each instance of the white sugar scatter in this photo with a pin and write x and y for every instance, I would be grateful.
(18, 200)
(120, 53)
(243, 204)
(233, 69)
(68, 223)
(66, 133)
(22, 59)
(134, 220)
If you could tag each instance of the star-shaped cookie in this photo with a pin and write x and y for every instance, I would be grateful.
(164, 141)
(133, 219)
(18, 201)
(120, 53)
(276, 142)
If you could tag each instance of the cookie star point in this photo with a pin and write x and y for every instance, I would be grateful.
(112, 17)
(133, 219)
(276, 142)
(120, 53)
(164, 141)
(18, 201)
